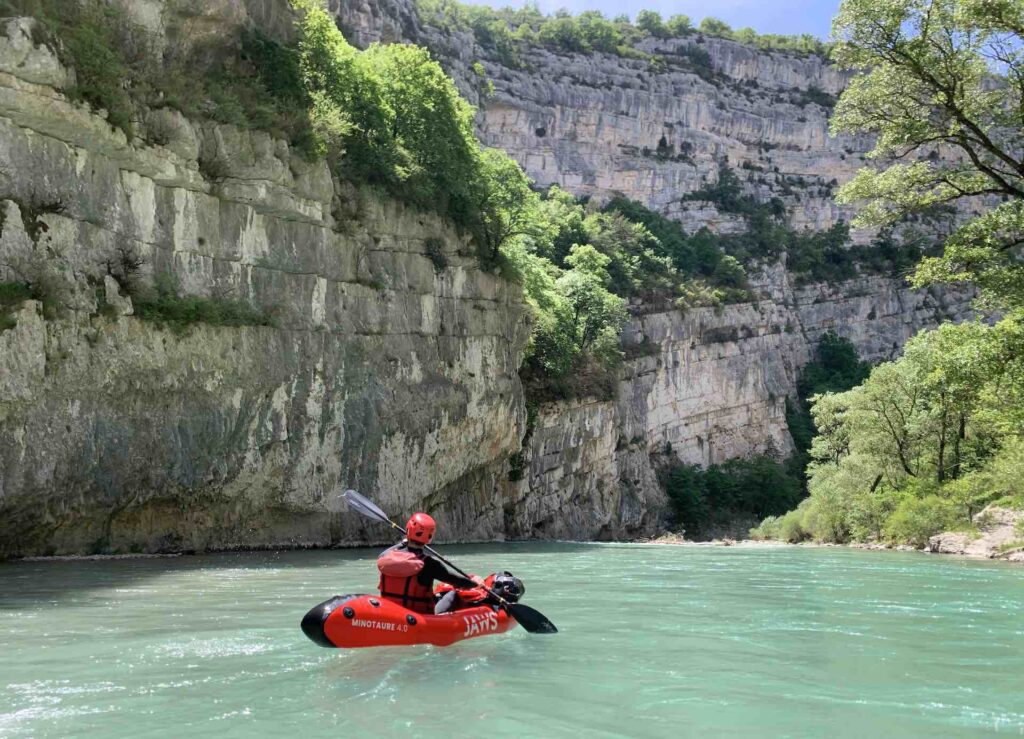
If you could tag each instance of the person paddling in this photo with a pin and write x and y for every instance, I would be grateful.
(407, 573)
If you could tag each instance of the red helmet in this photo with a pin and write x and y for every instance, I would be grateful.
(420, 529)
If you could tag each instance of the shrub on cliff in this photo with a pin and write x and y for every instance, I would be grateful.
(12, 295)
(836, 367)
(707, 275)
(502, 30)
(164, 304)
(574, 347)
(93, 38)
(406, 128)
(254, 84)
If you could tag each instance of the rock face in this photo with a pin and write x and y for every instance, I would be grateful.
(704, 387)
(390, 363)
(598, 124)
(385, 369)
(998, 537)
(651, 129)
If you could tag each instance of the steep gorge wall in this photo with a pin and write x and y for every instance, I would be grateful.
(384, 370)
(592, 123)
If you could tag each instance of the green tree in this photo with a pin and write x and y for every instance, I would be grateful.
(937, 73)
(503, 205)
(746, 36)
(334, 72)
(931, 423)
(598, 32)
(758, 486)
(431, 131)
(596, 315)
(836, 367)
(559, 218)
(635, 266)
(679, 25)
(715, 27)
(649, 21)
(917, 518)
(574, 349)
(562, 32)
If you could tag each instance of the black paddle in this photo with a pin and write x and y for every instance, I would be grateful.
(529, 618)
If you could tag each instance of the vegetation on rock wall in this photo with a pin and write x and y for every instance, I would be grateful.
(12, 294)
(813, 256)
(166, 306)
(117, 70)
(836, 368)
(700, 258)
(931, 438)
(503, 32)
(388, 117)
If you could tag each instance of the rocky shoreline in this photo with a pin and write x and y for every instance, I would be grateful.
(999, 535)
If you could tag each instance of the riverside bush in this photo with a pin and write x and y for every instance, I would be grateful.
(789, 527)
(915, 520)
(759, 486)
(924, 443)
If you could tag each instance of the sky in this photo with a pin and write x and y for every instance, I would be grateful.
(764, 16)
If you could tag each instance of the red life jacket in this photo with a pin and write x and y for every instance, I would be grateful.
(399, 583)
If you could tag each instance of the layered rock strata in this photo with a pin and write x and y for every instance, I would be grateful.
(390, 364)
(703, 387)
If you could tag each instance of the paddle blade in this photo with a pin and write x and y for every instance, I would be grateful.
(365, 507)
(531, 619)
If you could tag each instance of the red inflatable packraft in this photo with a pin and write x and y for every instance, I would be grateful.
(371, 621)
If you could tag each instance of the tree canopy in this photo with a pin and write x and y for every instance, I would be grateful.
(942, 89)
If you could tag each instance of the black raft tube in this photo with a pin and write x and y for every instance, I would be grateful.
(313, 622)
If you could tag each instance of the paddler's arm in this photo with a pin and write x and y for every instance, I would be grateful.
(437, 571)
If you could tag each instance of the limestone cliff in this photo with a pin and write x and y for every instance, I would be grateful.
(390, 367)
(653, 129)
(701, 388)
(391, 361)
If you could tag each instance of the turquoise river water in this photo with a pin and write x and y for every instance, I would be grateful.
(656, 641)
